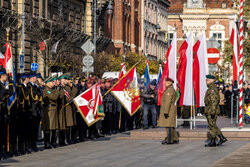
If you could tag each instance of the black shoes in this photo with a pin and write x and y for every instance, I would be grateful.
(211, 143)
(222, 140)
(145, 127)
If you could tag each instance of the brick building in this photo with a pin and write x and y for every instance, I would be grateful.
(123, 26)
(214, 17)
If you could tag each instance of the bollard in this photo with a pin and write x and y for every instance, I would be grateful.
(237, 109)
(232, 105)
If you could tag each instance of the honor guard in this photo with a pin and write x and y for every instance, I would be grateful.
(4, 92)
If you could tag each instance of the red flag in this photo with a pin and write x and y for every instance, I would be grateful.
(88, 104)
(169, 69)
(8, 61)
(127, 93)
(185, 70)
(235, 43)
(200, 70)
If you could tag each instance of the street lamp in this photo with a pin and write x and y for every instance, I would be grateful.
(109, 8)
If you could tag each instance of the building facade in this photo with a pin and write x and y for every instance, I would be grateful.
(154, 23)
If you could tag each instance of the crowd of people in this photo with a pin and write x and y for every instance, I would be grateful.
(44, 112)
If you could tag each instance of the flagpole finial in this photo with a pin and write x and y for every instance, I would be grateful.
(8, 33)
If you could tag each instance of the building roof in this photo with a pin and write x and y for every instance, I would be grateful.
(176, 6)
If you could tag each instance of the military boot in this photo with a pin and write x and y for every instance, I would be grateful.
(212, 143)
(222, 140)
(47, 140)
(53, 139)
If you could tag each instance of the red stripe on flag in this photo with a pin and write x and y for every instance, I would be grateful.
(181, 74)
(196, 73)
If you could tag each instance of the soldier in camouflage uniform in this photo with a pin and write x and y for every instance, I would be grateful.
(212, 110)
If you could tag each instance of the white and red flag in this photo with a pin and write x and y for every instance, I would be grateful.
(1, 59)
(89, 104)
(127, 93)
(200, 70)
(8, 60)
(185, 71)
(169, 69)
(123, 70)
(235, 43)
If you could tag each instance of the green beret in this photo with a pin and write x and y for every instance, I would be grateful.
(210, 77)
(53, 79)
(48, 80)
(63, 77)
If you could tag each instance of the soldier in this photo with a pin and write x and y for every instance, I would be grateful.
(81, 125)
(50, 118)
(34, 109)
(212, 110)
(168, 113)
(23, 114)
(108, 109)
(61, 112)
(4, 92)
(71, 90)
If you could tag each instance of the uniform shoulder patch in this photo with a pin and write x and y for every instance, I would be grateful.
(49, 92)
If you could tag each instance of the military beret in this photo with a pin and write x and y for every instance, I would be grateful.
(48, 80)
(170, 80)
(2, 71)
(210, 77)
(53, 79)
(63, 77)
(24, 75)
(77, 78)
(32, 74)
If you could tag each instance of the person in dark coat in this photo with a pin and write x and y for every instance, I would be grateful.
(4, 92)
(228, 98)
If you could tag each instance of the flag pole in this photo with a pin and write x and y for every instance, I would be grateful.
(241, 64)
(122, 77)
(8, 125)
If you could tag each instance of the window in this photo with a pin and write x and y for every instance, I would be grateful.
(223, 5)
(170, 38)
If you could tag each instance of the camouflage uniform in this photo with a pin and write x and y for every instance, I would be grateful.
(212, 109)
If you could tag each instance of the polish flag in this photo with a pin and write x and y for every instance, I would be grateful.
(123, 70)
(8, 61)
(234, 42)
(169, 69)
(185, 71)
(200, 70)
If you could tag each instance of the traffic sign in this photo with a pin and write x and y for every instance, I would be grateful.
(88, 60)
(87, 69)
(34, 66)
(213, 55)
(88, 47)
